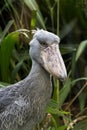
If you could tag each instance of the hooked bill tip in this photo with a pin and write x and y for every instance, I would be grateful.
(63, 78)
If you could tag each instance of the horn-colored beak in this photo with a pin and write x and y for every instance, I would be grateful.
(53, 62)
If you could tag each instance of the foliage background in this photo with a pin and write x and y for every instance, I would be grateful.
(66, 18)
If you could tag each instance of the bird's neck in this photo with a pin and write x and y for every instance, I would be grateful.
(37, 69)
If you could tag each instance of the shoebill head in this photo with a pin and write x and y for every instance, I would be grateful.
(44, 49)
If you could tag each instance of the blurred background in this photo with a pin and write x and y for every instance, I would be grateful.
(67, 19)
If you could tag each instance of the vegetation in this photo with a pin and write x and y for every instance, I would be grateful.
(66, 18)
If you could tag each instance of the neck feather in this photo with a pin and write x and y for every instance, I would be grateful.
(37, 68)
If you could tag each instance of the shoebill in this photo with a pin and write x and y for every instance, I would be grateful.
(23, 104)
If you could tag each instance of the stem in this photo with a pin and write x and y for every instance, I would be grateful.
(57, 83)
(52, 19)
(71, 102)
(57, 80)
(57, 17)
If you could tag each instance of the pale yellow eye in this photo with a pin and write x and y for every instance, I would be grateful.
(44, 44)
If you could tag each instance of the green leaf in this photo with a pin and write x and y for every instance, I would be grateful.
(65, 91)
(66, 50)
(6, 29)
(2, 84)
(67, 87)
(6, 49)
(76, 80)
(62, 127)
(16, 69)
(82, 100)
(81, 48)
(5, 54)
(32, 4)
(33, 19)
(53, 108)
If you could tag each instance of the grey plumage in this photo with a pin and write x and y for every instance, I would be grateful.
(23, 104)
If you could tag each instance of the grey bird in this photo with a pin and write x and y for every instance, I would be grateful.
(23, 104)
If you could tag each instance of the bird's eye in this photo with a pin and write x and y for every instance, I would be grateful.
(44, 44)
